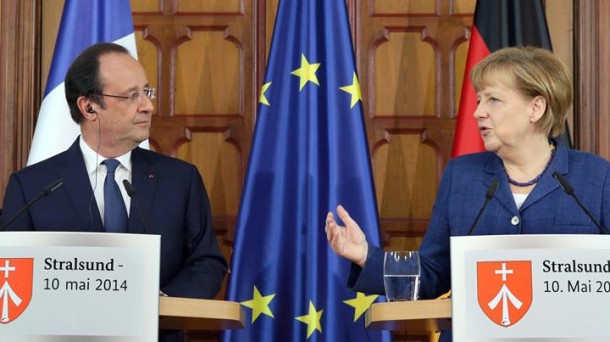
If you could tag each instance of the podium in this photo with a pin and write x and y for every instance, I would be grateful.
(63, 286)
(199, 314)
(69, 286)
(514, 287)
(538, 287)
(414, 317)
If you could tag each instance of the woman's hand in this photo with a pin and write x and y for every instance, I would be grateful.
(347, 241)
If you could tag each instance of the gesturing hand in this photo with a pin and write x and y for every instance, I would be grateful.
(347, 241)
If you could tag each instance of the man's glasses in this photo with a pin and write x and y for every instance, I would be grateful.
(136, 96)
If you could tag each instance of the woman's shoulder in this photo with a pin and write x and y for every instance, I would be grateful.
(580, 159)
(474, 164)
(473, 160)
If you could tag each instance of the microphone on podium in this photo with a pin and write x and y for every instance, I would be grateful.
(131, 192)
(491, 191)
(49, 189)
(568, 189)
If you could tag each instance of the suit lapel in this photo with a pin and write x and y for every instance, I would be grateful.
(77, 185)
(495, 170)
(144, 179)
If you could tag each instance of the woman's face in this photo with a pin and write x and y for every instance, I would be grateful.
(506, 118)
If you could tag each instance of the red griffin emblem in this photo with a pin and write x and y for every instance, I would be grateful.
(15, 287)
(504, 290)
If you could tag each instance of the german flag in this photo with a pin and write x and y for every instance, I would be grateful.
(497, 24)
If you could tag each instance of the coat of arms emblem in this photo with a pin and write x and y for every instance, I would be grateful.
(15, 287)
(504, 290)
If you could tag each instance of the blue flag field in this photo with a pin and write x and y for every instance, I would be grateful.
(309, 154)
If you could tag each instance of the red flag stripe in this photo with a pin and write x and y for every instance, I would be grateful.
(467, 138)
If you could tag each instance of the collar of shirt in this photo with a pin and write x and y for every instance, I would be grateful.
(93, 159)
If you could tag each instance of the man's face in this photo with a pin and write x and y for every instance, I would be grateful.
(124, 122)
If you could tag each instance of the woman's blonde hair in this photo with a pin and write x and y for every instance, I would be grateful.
(534, 72)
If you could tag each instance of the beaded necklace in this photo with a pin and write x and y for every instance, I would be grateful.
(535, 180)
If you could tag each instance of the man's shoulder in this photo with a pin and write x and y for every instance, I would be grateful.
(44, 166)
(160, 160)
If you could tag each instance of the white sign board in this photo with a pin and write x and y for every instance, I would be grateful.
(540, 287)
(59, 286)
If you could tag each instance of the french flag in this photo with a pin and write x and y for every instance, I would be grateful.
(83, 23)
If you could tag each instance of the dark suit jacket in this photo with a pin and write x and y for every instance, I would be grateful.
(172, 197)
(547, 210)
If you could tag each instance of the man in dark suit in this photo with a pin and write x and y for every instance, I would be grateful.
(110, 98)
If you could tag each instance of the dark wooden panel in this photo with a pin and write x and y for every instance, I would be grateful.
(592, 74)
(440, 30)
(20, 23)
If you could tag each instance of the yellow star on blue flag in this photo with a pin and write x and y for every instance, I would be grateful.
(259, 304)
(360, 304)
(263, 99)
(312, 319)
(354, 90)
(307, 72)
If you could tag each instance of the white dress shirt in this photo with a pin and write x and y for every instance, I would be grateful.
(97, 174)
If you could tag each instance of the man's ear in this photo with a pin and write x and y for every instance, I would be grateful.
(538, 107)
(87, 108)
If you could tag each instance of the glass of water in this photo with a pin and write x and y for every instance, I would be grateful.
(401, 270)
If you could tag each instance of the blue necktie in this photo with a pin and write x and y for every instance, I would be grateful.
(115, 214)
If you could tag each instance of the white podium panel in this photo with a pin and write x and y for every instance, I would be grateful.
(59, 286)
(539, 287)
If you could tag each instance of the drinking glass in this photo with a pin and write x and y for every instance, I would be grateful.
(401, 270)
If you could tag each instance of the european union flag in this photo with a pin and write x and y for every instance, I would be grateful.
(309, 154)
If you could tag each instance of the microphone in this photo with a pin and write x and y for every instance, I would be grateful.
(491, 191)
(131, 192)
(49, 189)
(568, 189)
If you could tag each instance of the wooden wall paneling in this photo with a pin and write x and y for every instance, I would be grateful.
(50, 18)
(204, 60)
(19, 79)
(592, 71)
(603, 130)
(407, 54)
(586, 99)
(410, 55)
(559, 16)
(189, 96)
(201, 57)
